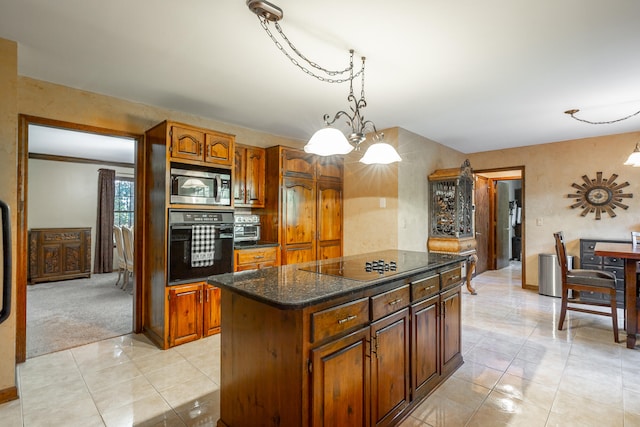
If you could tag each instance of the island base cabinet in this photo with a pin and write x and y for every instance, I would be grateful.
(425, 344)
(451, 315)
(390, 390)
(340, 382)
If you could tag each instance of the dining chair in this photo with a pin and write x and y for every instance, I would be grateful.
(588, 281)
(127, 240)
(122, 264)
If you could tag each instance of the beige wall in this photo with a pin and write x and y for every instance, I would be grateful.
(65, 194)
(420, 158)
(550, 169)
(9, 194)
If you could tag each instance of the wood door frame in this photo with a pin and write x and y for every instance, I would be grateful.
(504, 175)
(22, 243)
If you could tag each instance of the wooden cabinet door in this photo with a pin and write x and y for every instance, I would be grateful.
(299, 211)
(340, 375)
(451, 322)
(255, 176)
(211, 310)
(239, 173)
(330, 167)
(390, 388)
(425, 346)
(330, 249)
(185, 314)
(297, 163)
(219, 148)
(186, 143)
(298, 253)
(329, 219)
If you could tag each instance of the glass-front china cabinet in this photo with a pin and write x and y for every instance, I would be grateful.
(451, 227)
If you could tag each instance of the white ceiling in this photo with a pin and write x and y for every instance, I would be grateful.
(472, 75)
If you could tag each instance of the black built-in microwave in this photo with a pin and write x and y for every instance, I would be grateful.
(208, 186)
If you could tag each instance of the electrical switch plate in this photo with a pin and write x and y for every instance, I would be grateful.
(383, 202)
(539, 222)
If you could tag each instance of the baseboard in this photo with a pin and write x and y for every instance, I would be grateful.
(8, 394)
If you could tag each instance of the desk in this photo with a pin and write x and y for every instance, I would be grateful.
(631, 256)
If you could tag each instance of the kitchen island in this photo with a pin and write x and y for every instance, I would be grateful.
(338, 342)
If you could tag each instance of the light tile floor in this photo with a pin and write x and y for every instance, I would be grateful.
(519, 370)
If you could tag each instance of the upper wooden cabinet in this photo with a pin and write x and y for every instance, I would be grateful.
(303, 212)
(201, 145)
(249, 176)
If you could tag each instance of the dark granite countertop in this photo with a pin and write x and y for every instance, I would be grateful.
(254, 245)
(300, 285)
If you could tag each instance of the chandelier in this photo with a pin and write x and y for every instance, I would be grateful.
(330, 140)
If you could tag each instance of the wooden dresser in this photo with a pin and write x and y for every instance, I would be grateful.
(59, 254)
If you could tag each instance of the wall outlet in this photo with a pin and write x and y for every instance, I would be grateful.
(539, 222)
(383, 202)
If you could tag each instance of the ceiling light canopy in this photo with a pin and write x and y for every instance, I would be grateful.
(329, 140)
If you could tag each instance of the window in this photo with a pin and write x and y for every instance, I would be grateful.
(123, 203)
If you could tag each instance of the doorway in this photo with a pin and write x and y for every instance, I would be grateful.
(27, 126)
(499, 218)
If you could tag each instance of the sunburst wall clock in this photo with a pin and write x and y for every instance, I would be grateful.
(598, 195)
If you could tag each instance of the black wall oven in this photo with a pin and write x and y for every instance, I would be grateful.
(200, 244)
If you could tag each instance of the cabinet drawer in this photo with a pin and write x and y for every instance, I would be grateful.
(451, 277)
(334, 320)
(587, 246)
(590, 259)
(425, 287)
(613, 261)
(250, 256)
(388, 302)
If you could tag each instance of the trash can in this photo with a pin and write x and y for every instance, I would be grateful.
(549, 279)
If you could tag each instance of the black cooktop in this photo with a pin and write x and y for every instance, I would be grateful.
(365, 267)
(357, 270)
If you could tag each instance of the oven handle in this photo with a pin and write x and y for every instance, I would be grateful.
(6, 263)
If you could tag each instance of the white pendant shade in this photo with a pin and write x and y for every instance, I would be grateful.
(380, 153)
(634, 158)
(327, 142)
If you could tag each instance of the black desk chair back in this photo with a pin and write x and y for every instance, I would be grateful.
(579, 280)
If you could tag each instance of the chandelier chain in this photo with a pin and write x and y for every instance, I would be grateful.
(606, 122)
(264, 22)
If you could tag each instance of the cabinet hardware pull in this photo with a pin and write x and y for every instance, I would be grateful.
(258, 256)
(346, 319)
(428, 288)
(395, 301)
(452, 278)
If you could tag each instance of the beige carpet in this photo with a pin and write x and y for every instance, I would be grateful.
(70, 313)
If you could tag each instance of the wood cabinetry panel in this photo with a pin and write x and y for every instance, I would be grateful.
(341, 368)
(297, 163)
(425, 342)
(219, 148)
(211, 310)
(186, 143)
(329, 211)
(299, 211)
(185, 314)
(335, 320)
(390, 367)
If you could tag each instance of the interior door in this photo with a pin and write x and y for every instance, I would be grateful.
(502, 225)
(481, 197)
